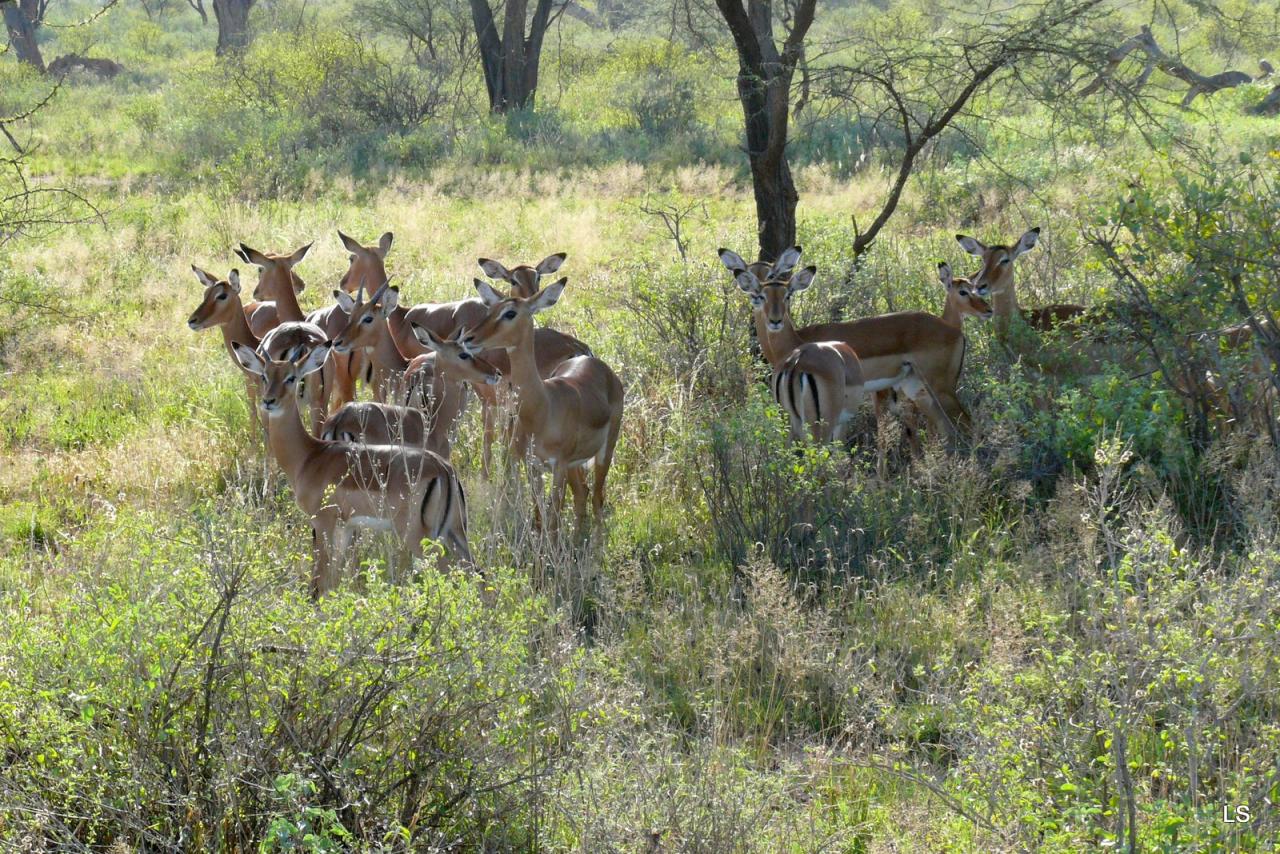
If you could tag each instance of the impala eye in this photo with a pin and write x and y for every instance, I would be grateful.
(964, 293)
(510, 315)
(368, 318)
(290, 380)
(1004, 260)
(464, 355)
(221, 297)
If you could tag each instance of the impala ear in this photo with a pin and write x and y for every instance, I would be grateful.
(1027, 242)
(747, 281)
(494, 269)
(241, 254)
(345, 301)
(551, 263)
(299, 254)
(390, 300)
(802, 279)
(233, 279)
(253, 256)
(487, 293)
(426, 337)
(353, 246)
(384, 244)
(249, 360)
(732, 261)
(205, 279)
(786, 260)
(944, 275)
(315, 359)
(547, 297)
(971, 244)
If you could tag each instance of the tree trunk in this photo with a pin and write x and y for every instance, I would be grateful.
(22, 35)
(511, 62)
(776, 200)
(764, 89)
(233, 25)
(513, 56)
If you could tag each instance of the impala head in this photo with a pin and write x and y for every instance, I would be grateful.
(366, 319)
(509, 318)
(524, 279)
(280, 380)
(772, 297)
(997, 261)
(275, 272)
(962, 298)
(453, 358)
(367, 262)
(221, 300)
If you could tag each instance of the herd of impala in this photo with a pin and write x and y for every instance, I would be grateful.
(384, 464)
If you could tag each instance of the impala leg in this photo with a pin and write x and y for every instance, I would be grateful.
(488, 417)
(879, 400)
(603, 461)
(559, 479)
(578, 486)
(535, 487)
(329, 541)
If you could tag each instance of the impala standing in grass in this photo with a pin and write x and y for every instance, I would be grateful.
(414, 493)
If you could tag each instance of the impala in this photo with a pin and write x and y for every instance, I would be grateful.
(411, 492)
(883, 344)
(818, 384)
(221, 307)
(445, 372)
(262, 313)
(567, 420)
(444, 320)
(367, 269)
(996, 279)
(366, 332)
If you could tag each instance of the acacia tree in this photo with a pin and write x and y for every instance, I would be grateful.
(915, 82)
(511, 61)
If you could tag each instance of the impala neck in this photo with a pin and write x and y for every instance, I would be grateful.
(448, 397)
(1004, 300)
(777, 345)
(951, 313)
(532, 400)
(287, 307)
(291, 444)
(237, 328)
(386, 353)
(401, 333)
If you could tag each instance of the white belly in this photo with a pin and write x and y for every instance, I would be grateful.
(371, 523)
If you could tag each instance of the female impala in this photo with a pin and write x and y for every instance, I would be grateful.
(818, 384)
(996, 278)
(367, 333)
(934, 347)
(221, 307)
(444, 320)
(343, 487)
(445, 371)
(568, 420)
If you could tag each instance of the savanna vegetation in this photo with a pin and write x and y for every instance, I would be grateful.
(1058, 629)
